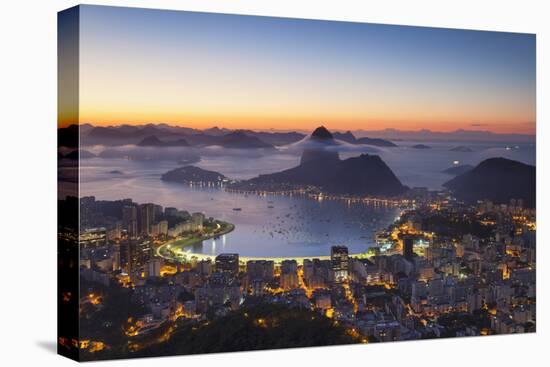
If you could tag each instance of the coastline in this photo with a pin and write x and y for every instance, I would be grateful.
(183, 256)
(174, 250)
(187, 242)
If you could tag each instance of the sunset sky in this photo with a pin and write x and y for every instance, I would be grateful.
(199, 70)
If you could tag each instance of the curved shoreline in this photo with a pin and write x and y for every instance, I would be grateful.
(183, 256)
(193, 241)
(179, 254)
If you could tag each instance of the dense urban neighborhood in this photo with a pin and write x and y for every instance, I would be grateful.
(443, 269)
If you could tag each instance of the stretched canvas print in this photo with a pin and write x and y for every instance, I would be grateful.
(235, 183)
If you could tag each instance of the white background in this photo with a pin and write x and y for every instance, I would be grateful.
(28, 179)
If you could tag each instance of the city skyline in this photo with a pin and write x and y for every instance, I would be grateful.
(159, 67)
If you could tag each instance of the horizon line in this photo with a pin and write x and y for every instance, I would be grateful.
(220, 126)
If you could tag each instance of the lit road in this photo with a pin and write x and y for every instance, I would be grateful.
(175, 252)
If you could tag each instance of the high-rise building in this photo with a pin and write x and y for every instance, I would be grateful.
(155, 230)
(116, 257)
(147, 218)
(408, 242)
(316, 272)
(163, 228)
(197, 220)
(170, 212)
(204, 267)
(289, 274)
(227, 263)
(159, 229)
(144, 252)
(322, 298)
(87, 208)
(129, 220)
(339, 262)
(218, 291)
(127, 261)
(154, 266)
(260, 269)
(159, 210)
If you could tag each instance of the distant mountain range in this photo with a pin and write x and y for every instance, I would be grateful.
(323, 168)
(163, 135)
(168, 135)
(350, 138)
(495, 179)
(421, 146)
(457, 135)
(276, 138)
(153, 141)
(375, 141)
(322, 134)
(242, 140)
(498, 180)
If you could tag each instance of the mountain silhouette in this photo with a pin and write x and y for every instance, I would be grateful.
(375, 141)
(192, 174)
(498, 180)
(348, 137)
(421, 146)
(240, 140)
(321, 133)
(458, 170)
(153, 141)
(362, 175)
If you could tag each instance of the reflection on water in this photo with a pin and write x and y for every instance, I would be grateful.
(281, 225)
(265, 226)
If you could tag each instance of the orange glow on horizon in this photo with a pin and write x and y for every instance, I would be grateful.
(201, 70)
(284, 123)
